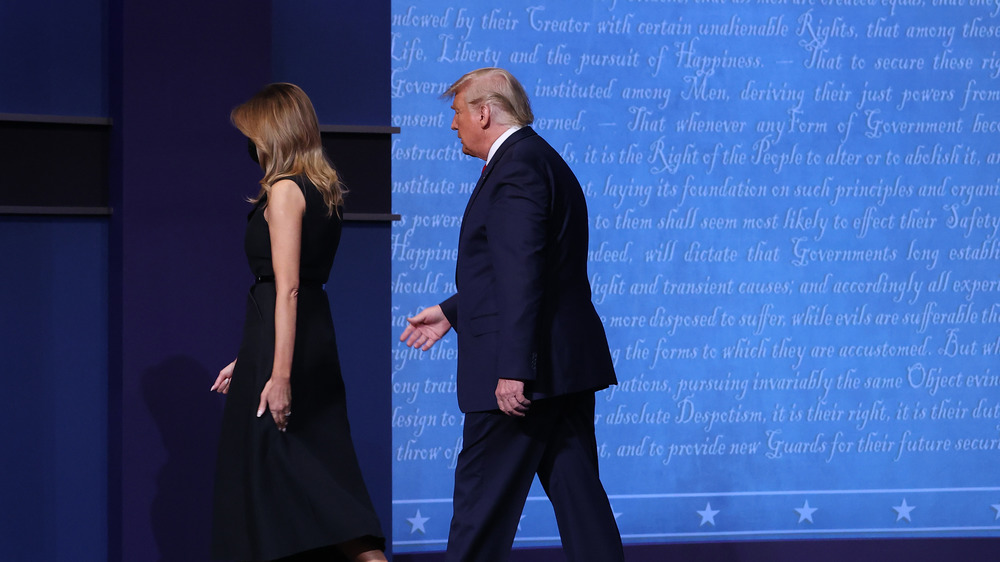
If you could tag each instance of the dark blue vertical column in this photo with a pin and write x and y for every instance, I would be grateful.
(53, 61)
(53, 313)
(338, 52)
(53, 359)
(178, 275)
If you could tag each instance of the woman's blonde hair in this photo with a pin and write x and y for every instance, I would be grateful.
(281, 122)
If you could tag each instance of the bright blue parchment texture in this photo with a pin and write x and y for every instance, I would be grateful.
(794, 227)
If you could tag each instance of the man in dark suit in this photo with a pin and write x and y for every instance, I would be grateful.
(531, 348)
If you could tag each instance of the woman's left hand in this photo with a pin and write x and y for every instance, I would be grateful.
(277, 397)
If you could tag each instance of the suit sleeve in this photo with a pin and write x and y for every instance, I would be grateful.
(450, 309)
(517, 228)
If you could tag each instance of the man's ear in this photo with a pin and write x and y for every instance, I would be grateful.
(484, 116)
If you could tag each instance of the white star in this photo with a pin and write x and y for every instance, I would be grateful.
(903, 511)
(996, 508)
(519, 522)
(707, 515)
(417, 523)
(616, 513)
(806, 512)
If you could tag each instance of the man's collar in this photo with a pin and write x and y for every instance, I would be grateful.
(499, 141)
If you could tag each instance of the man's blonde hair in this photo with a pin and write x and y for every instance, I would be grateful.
(498, 89)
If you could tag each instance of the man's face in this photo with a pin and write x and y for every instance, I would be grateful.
(467, 123)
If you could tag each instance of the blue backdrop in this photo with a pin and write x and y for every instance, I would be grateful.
(794, 224)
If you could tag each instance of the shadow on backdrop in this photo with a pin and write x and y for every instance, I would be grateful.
(188, 417)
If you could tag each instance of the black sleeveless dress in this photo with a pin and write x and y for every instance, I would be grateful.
(278, 494)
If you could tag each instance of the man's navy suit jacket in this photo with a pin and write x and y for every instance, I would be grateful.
(523, 306)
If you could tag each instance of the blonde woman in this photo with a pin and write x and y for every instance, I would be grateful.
(287, 480)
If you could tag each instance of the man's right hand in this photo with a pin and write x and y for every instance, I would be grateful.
(427, 327)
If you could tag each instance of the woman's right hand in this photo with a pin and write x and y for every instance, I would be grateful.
(225, 376)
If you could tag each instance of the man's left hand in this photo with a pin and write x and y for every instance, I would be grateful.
(510, 397)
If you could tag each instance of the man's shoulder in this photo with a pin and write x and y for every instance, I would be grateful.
(526, 134)
(527, 142)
